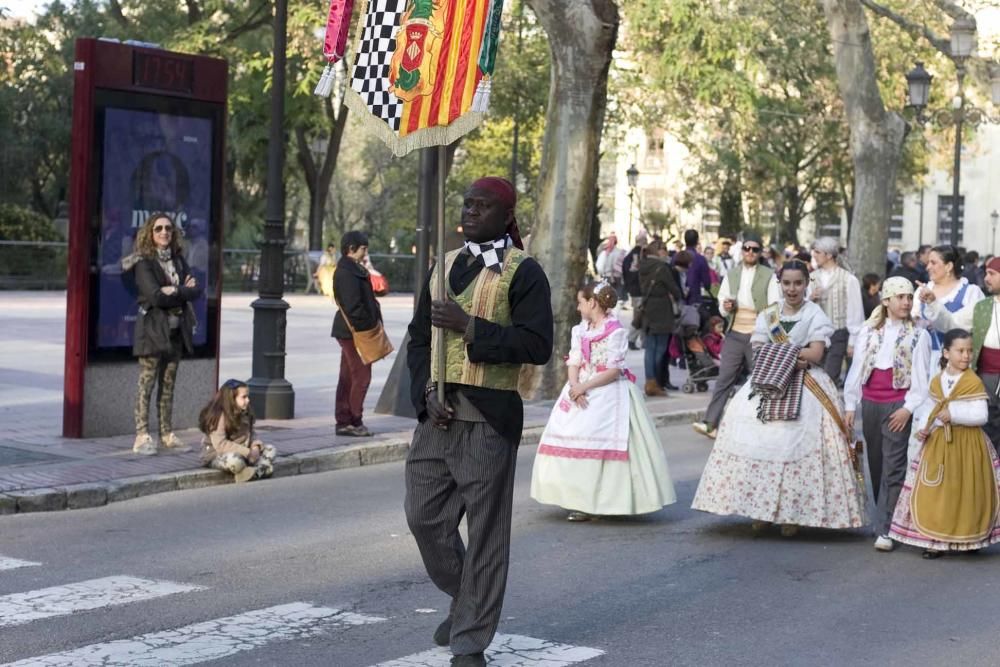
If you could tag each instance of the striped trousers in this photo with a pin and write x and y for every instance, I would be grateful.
(467, 470)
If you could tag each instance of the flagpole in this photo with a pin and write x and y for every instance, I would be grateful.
(439, 260)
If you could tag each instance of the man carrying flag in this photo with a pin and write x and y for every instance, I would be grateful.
(496, 316)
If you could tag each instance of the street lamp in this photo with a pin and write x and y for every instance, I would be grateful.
(994, 218)
(632, 176)
(918, 81)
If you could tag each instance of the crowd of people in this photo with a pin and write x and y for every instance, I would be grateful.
(917, 356)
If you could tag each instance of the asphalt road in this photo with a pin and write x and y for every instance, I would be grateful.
(673, 588)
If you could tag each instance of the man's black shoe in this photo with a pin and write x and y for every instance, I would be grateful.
(469, 660)
(669, 387)
(632, 346)
(442, 636)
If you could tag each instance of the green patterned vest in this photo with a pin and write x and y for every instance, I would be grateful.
(486, 297)
(982, 318)
(761, 278)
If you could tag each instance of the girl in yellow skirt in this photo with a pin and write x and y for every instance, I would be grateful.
(600, 454)
(951, 496)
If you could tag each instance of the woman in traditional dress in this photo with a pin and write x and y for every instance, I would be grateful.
(950, 499)
(600, 453)
(795, 469)
(944, 266)
(888, 378)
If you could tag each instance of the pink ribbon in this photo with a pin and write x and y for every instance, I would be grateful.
(337, 26)
(609, 327)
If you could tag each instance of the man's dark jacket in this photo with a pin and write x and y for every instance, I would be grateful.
(528, 340)
(353, 291)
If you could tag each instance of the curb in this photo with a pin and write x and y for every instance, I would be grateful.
(393, 447)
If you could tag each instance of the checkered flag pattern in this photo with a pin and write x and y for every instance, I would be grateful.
(370, 77)
(490, 254)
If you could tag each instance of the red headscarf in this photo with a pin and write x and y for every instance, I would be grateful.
(506, 194)
(994, 264)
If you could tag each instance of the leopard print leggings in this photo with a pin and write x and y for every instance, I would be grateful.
(162, 371)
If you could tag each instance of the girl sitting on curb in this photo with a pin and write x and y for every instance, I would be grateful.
(229, 443)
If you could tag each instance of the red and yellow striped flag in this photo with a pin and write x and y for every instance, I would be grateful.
(421, 68)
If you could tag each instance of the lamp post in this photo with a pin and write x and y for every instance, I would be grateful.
(271, 395)
(963, 43)
(632, 175)
(994, 218)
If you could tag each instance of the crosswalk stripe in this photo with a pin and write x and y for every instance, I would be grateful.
(209, 640)
(19, 608)
(14, 563)
(509, 651)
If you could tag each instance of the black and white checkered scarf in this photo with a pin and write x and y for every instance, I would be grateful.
(490, 254)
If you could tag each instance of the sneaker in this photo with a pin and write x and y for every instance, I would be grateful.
(362, 431)
(172, 442)
(705, 429)
(144, 445)
(347, 430)
(884, 543)
(578, 516)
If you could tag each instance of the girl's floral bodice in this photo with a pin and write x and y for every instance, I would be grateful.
(599, 349)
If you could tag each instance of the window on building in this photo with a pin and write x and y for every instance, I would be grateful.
(944, 219)
(896, 221)
(655, 154)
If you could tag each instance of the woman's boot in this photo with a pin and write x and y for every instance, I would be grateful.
(653, 389)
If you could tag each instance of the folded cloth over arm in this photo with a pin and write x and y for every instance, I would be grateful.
(778, 382)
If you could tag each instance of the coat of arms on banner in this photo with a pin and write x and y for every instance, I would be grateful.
(421, 69)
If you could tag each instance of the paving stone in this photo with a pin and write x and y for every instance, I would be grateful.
(385, 452)
(8, 504)
(142, 486)
(80, 496)
(40, 500)
(199, 479)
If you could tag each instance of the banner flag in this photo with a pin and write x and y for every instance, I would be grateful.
(420, 71)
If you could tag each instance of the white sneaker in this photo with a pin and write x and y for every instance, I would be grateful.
(171, 441)
(884, 543)
(704, 429)
(144, 445)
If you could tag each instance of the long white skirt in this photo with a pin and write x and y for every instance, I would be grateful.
(784, 472)
(639, 485)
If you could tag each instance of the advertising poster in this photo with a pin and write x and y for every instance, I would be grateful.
(152, 162)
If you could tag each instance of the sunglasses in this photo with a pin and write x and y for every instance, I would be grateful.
(752, 248)
(163, 228)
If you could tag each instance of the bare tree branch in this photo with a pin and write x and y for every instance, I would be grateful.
(258, 18)
(194, 11)
(953, 10)
(117, 14)
(942, 45)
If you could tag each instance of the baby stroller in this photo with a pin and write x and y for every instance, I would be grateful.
(701, 367)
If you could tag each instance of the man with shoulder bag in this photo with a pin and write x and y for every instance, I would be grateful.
(358, 328)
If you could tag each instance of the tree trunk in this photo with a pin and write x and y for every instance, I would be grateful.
(319, 177)
(731, 206)
(876, 135)
(582, 36)
(793, 214)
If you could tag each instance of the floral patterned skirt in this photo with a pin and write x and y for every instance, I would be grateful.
(817, 489)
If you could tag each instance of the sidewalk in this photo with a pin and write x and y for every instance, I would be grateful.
(39, 474)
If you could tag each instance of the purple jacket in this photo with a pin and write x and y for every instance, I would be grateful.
(698, 277)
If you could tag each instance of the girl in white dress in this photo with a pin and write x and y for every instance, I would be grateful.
(600, 453)
(790, 472)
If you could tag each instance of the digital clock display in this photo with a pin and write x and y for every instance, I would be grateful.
(150, 70)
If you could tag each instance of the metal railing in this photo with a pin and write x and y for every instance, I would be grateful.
(34, 265)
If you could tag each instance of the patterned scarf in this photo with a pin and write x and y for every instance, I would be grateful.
(490, 254)
(902, 358)
(778, 382)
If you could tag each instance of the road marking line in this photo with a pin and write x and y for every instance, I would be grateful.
(210, 640)
(21, 608)
(14, 563)
(509, 651)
